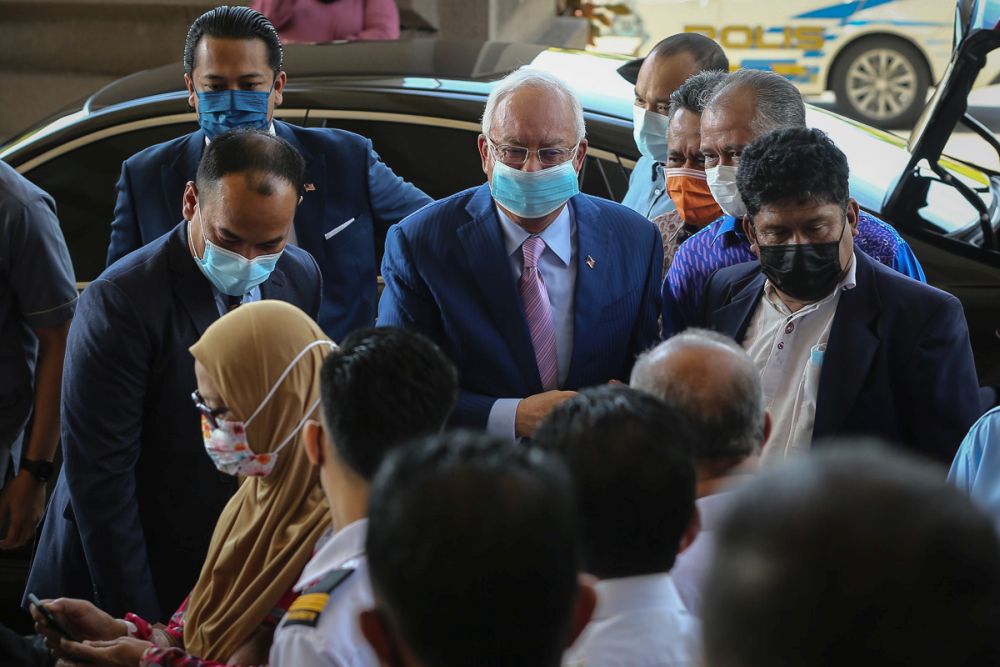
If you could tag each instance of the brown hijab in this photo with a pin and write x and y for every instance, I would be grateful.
(267, 531)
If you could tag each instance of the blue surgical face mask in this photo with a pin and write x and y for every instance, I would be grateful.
(533, 194)
(222, 110)
(650, 133)
(230, 272)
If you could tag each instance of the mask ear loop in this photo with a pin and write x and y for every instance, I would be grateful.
(284, 374)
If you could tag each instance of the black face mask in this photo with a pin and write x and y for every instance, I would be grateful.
(805, 271)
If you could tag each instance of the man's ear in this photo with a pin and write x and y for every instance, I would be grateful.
(583, 608)
(192, 95)
(853, 214)
(279, 88)
(380, 637)
(312, 438)
(692, 530)
(751, 234)
(484, 154)
(190, 200)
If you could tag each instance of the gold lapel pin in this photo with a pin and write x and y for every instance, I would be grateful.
(590, 261)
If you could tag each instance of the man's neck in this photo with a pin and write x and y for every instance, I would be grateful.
(348, 502)
(533, 225)
(717, 475)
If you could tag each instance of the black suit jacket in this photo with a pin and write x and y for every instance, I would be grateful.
(138, 497)
(898, 363)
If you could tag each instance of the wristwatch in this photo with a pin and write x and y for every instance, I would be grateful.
(40, 470)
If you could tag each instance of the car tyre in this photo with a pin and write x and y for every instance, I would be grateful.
(881, 81)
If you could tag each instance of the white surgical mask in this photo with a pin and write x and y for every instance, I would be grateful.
(649, 130)
(722, 183)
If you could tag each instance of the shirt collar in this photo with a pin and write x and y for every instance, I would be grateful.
(345, 545)
(644, 592)
(558, 236)
(270, 130)
(727, 225)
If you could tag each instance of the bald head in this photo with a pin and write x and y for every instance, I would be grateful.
(710, 379)
(670, 63)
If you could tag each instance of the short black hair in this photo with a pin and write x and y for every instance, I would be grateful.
(234, 23)
(707, 54)
(472, 551)
(853, 556)
(794, 164)
(255, 153)
(632, 461)
(381, 388)
(696, 91)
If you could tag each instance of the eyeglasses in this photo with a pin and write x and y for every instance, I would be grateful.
(211, 414)
(516, 156)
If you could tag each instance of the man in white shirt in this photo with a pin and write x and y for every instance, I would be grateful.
(844, 345)
(709, 379)
(381, 388)
(631, 459)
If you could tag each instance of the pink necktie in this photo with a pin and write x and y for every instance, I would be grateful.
(538, 312)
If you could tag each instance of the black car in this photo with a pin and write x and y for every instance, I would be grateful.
(420, 102)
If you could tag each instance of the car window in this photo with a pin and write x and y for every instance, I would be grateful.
(82, 182)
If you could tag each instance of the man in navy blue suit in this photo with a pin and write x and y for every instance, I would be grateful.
(532, 289)
(137, 499)
(232, 64)
(845, 346)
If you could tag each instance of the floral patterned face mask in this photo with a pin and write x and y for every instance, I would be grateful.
(226, 441)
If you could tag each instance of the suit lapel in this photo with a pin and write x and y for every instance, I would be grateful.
(590, 292)
(489, 266)
(733, 318)
(850, 350)
(277, 287)
(183, 169)
(191, 287)
(309, 218)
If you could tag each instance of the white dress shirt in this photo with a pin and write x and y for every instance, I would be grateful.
(788, 350)
(639, 622)
(557, 264)
(336, 641)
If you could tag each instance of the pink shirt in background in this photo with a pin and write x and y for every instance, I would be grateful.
(315, 21)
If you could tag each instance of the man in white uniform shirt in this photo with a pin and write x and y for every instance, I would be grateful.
(381, 388)
(844, 345)
(631, 459)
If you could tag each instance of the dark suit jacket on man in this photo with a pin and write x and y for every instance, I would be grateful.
(350, 200)
(898, 364)
(448, 276)
(137, 492)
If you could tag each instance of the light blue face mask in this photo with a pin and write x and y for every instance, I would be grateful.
(231, 273)
(533, 194)
(649, 130)
(222, 110)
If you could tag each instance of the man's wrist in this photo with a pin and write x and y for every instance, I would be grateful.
(40, 469)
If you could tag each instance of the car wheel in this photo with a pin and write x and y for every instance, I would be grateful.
(881, 81)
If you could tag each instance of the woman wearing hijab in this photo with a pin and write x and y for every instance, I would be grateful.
(258, 382)
(330, 20)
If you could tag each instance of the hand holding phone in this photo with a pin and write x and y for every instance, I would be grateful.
(50, 620)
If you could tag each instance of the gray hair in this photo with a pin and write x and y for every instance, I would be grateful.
(696, 91)
(727, 413)
(534, 78)
(779, 102)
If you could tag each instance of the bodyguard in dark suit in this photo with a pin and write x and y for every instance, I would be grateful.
(232, 61)
(532, 289)
(137, 499)
(845, 346)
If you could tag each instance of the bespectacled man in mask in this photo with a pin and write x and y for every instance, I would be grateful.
(532, 288)
(845, 346)
(669, 64)
(137, 498)
(233, 74)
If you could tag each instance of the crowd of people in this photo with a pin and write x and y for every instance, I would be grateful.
(705, 426)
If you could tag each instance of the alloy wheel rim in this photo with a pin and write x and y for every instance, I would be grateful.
(881, 83)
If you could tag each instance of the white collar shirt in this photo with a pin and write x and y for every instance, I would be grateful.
(788, 350)
(336, 640)
(639, 622)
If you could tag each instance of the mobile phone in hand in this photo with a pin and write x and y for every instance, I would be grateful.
(50, 620)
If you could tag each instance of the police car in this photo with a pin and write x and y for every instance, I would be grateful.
(879, 57)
